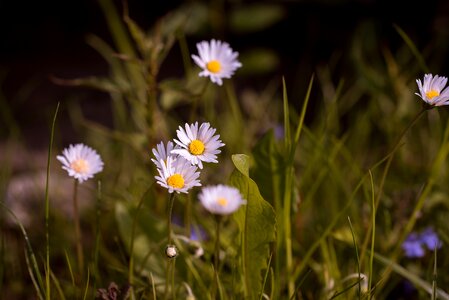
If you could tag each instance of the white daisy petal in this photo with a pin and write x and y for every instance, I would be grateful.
(80, 162)
(432, 90)
(198, 144)
(217, 60)
(177, 175)
(162, 152)
(221, 199)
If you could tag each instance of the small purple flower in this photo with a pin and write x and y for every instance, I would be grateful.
(279, 131)
(412, 246)
(430, 239)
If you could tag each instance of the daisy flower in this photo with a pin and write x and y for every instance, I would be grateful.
(217, 60)
(162, 152)
(433, 90)
(198, 145)
(177, 174)
(221, 199)
(81, 162)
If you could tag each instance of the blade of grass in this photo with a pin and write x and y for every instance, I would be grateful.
(86, 289)
(300, 284)
(302, 116)
(266, 276)
(434, 277)
(373, 234)
(417, 282)
(357, 257)
(346, 289)
(33, 269)
(33, 279)
(152, 286)
(58, 286)
(97, 236)
(70, 268)
(47, 207)
(413, 48)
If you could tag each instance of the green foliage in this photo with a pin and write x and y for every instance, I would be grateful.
(349, 142)
(257, 224)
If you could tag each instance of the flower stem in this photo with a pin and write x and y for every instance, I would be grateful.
(216, 254)
(170, 260)
(79, 249)
(170, 210)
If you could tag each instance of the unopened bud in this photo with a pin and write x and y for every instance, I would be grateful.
(171, 251)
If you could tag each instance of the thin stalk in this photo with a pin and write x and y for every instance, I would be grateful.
(47, 209)
(435, 275)
(184, 51)
(170, 210)
(371, 259)
(131, 245)
(359, 291)
(170, 261)
(97, 237)
(216, 254)
(287, 229)
(79, 248)
(188, 216)
(230, 92)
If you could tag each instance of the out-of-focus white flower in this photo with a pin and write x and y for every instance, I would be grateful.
(198, 145)
(162, 152)
(177, 174)
(217, 60)
(81, 162)
(221, 199)
(433, 90)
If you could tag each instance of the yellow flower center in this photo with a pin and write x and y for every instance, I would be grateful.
(213, 66)
(176, 181)
(196, 147)
(80, 166)
(222, 202)
(432, 93)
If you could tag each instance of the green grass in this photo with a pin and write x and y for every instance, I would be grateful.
(360, 164)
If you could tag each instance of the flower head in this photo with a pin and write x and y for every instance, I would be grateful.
(430, 239)
(221, 199)
(415, 243)
(433, 90)
(177, 174)
(217, 60)
(81, 162)
(162, 152)
(412, 246)
(198, 145)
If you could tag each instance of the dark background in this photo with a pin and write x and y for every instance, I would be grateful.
(44, 38)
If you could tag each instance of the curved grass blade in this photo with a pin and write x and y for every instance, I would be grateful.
(47, 207)
(34, 269)
(417, 281)
(413, 48)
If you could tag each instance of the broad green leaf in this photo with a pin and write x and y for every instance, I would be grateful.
(257, 224)
(268, 171)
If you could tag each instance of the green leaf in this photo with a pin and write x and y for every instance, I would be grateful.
(257, 225)
(268, 171)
